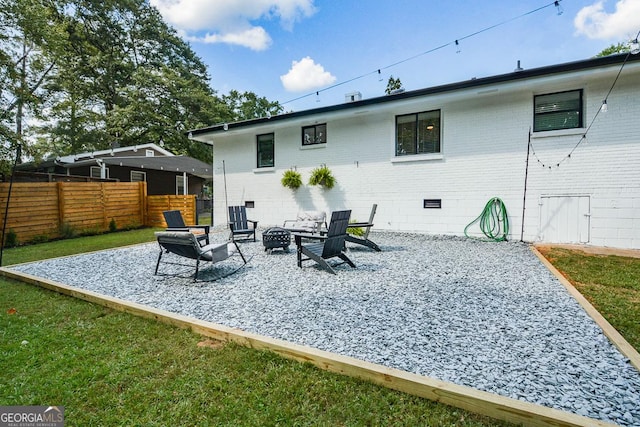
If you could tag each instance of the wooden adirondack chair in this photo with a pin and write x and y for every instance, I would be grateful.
(327, 246)
(239, 224)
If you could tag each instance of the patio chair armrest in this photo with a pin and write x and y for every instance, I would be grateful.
(255, 223)
(299, 236)
(359, 224)
(206, 228)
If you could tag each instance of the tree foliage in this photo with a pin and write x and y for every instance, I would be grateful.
(614, 49)
(87, 74)
(393, 84)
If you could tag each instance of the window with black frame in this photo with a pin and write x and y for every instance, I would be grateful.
(266, 145)
(418, 133)
(555, 111)
(316, 134)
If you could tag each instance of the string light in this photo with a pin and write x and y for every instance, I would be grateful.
(455, 42)
(558, 7)
(380, 75)
(604, 107)
(457, 47)
(634, 46)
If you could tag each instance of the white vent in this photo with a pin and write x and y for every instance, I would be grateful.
(352, 97)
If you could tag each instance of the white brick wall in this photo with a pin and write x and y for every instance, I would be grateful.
(484, 144)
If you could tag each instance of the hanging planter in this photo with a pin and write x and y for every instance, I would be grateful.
(291, 179)
(322, 176)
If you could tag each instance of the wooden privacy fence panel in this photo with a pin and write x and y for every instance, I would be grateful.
(157, 204)
(33, 209)
(92, 206)
(41, 209)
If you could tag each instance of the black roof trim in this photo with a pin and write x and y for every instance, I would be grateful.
(466, 84)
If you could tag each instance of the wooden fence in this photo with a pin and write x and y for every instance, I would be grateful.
(157, 204)
(45, 210)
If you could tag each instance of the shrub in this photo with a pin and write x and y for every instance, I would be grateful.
(10, 239)
(356, 231)
(112, 225)
(68, 231)
(322, 176)
(291, 179)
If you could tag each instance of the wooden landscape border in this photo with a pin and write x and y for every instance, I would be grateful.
(610, 332)
(468, 398)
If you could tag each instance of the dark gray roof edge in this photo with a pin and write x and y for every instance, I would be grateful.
(466, 84)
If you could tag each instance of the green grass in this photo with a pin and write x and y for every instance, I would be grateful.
(76, 245)
(109, 368)
(610, 283)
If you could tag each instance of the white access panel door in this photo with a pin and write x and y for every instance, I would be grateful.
(565, 219)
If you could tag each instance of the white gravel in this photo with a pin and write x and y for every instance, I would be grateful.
(481, 314)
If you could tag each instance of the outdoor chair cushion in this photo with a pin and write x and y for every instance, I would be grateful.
(310, 221)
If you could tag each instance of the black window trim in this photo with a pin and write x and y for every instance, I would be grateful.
(314, 126)
(580, 119)
(273, 147)
(416, 115)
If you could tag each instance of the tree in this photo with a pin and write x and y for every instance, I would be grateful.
(614, 49)
(88, 74)
(247, 105)
(393, 84)
(28, 37)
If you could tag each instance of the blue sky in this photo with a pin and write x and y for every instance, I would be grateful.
(290, 49)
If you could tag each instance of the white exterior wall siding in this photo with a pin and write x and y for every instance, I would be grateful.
(484, 149)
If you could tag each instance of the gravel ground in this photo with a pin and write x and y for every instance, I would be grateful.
(481, 314)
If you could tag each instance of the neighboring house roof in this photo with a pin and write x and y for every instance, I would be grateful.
(133, 150)
(204, 134)
(177, 164)
(129, 157)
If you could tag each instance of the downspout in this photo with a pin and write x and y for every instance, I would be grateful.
(185, 187)
(103, 169)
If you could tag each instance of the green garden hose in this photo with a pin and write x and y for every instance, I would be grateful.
(494, 222)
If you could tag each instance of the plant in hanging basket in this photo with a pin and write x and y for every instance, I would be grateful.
(291, 179)
(322, 176)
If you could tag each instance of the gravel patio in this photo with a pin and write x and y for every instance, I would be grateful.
(482, 314)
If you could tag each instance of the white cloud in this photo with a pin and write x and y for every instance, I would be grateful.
(306, 75)
(231, 21)
(255, 38)
(595, 23)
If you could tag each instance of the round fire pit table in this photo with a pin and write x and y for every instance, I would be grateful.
(276, 237)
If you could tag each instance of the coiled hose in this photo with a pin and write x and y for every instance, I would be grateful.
(494, 222)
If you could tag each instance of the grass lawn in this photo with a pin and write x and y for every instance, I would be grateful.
(110, 368)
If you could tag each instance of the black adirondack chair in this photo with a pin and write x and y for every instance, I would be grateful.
(175, 222)
(239, 224)
(327, 246)
(185, 244)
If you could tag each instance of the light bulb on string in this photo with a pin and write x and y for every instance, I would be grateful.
(317, 96)
(380, 75)
(634, 47)
(558, 7)
(457, 47)
(604, 108)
